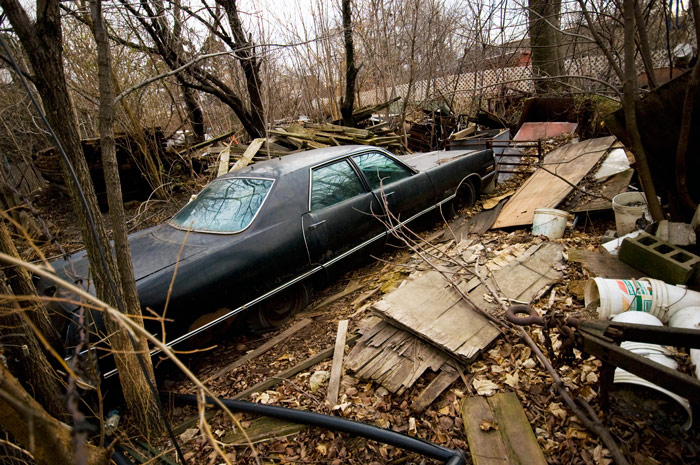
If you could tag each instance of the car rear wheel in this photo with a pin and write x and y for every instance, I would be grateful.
(465, 198)
(274, 311)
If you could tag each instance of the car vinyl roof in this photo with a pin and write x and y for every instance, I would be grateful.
(281, 166)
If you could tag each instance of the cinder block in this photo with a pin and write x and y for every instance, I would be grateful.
(659, 259)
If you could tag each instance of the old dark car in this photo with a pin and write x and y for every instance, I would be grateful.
(256, 239)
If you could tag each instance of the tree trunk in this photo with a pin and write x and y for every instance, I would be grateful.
(251, 67)
(24, 354)
(194, 112)
(42, 41)
(48, 440)
(348, 105)
(21, 284)
(142, 403)
(630, 110)
(544, 24)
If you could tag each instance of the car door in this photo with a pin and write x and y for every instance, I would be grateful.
(405, 191)
(341, 217)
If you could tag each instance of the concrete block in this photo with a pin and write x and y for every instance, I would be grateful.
(676, 233)
(659, 259)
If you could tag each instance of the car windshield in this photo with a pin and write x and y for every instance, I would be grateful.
(224, 206)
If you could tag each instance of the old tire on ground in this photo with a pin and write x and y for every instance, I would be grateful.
(272, 312)
(465, 198)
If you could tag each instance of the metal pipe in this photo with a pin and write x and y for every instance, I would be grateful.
(385, 436)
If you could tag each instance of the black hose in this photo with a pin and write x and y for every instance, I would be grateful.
(385, 436)
(119, 458)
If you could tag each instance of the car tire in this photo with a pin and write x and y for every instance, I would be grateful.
(274, 311)
(465, 198)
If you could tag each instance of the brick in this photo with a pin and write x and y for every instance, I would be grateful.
(659, 259)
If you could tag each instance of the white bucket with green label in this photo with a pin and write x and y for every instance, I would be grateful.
(615, 296)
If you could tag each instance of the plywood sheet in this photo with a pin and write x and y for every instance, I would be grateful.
(545, 190)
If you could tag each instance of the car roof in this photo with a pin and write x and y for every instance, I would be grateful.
(281, 166)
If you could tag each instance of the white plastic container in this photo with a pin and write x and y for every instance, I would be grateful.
(654, 352)
(668, 299)
(644, 295)
(550, 222)
(618, 295)
(689, 318)
(628, 208)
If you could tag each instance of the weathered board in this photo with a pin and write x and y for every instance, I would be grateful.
(429, 307)
(523, 279)
(545, 190)
(609, 188)
(604, 265)
(262, 429)
(261, 349)
(337, 367)
(396, 359)
(498, 431)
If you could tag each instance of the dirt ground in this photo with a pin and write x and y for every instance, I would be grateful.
(644, 436)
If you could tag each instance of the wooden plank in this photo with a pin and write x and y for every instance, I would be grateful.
(247, 155)
(261, 350)
(486, 447)
(349, 289)
(515, 430)
(544, 190)
(286, 374)
(477, 224)
(224, 158)
(262, 429)
(524, 279)
(392, 357)
(610, 188)
(337, 367)
(604, 265)
(430, 308)
(431, 392)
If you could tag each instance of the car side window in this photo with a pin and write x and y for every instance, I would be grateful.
(334, 183)
(380, 169)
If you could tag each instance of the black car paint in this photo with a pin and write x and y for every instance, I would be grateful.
(286, 242)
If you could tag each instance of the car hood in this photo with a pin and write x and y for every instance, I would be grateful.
(152, 250)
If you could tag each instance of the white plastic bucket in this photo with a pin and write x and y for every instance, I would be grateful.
(668, 299)
(654, 352)
(628, 208)
(644, 295)
(550, 222)
(618, 295)
(689, 318)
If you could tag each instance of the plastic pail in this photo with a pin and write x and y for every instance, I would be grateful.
(668, 299)
(689, 318)
(618, 295)
(549, 222)
(628, 208)
(654, 352)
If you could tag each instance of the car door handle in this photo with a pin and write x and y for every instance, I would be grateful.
(313, 226)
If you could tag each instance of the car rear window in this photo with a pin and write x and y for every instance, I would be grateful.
(224, 206)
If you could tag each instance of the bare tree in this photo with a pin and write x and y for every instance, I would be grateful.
(351, 70)
(42, 41)
(543, 26)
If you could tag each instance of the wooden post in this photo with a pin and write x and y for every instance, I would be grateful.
(337, 367)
